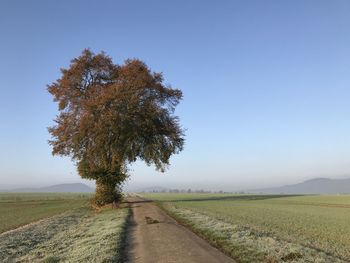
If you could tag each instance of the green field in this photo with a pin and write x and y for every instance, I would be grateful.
(17, 209)
(270, 228)
(69, 231)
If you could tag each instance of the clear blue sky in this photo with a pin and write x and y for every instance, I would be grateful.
(266, 85)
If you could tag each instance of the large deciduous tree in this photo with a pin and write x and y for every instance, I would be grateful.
(112, 115)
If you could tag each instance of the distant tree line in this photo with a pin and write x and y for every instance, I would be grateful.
(198, 191)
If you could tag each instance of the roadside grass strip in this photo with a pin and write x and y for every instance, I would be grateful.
(246, 244)
(80, 235)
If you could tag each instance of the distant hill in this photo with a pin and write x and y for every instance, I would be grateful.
(58, 188)
(313, 186)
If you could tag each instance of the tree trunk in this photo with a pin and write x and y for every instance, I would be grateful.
(106, 193)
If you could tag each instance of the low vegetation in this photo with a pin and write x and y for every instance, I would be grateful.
(77, 235)
(17, 209)
(257, 228)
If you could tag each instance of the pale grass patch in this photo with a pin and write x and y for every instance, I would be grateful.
(81, 235)
(247, 244)
(98, 238)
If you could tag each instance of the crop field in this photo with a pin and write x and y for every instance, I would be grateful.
(267, 228)
(68, 230)
(17, 209)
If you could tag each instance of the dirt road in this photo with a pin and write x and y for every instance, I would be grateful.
(155, 237)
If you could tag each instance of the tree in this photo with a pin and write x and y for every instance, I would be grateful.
(111, 116)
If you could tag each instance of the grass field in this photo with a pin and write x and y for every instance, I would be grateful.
(258, 228)
(17, 209)
(72, 233)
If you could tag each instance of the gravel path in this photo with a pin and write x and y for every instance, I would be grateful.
(153, 237)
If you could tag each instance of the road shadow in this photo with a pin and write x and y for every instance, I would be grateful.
(128, 253)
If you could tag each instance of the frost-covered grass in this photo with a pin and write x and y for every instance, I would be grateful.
(269, 228)
(79, 235)
(17, 209)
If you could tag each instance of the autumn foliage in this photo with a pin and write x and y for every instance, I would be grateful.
(112, 115)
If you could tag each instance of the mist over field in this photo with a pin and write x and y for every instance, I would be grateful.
(310, 186)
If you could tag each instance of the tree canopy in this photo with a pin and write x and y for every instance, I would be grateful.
(112, 115)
